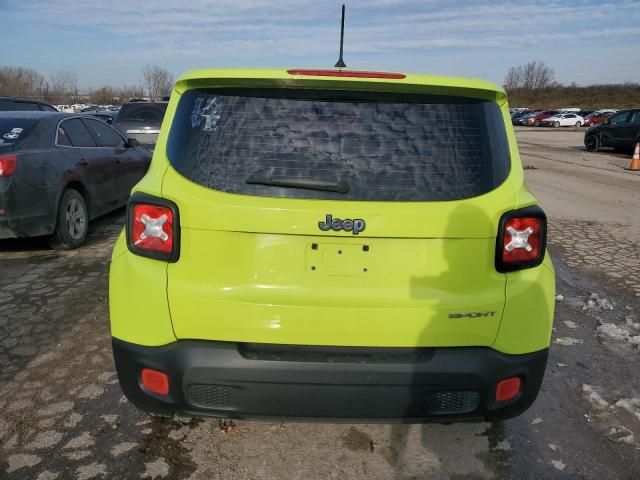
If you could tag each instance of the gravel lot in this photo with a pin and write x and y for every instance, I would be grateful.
(62, 414)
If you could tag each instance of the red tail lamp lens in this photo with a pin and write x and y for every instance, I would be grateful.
(508, 389)
(155, 381)
(152, 228)
(8, 165)
(346, 73)
(521, 239)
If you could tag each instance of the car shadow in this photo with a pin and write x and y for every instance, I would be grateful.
(456, 449)
(99, 228)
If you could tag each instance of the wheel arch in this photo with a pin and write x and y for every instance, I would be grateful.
(82, 190)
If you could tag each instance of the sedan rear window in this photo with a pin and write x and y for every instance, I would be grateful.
(12, 130)
(142, 113)
(339, 145)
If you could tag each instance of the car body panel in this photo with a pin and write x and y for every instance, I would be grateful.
(247, 274)
(44, 169)
(140, 121)
(264, 313)
(621, 130)
(206, 299)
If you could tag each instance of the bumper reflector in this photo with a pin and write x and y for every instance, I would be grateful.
(155, 381)
(508, 388)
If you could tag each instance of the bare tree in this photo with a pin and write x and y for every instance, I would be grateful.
(131, 91)
(103, 96)
(64, 87)
(23, 82)
(533, 75)
(158, 81)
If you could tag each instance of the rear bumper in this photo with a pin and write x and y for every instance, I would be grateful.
(231, 380)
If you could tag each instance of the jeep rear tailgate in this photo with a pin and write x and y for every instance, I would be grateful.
(425, 176)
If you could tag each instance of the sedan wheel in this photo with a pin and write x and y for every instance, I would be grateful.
(578, 124)
(556, 124)
(72, 222)
(76, 218)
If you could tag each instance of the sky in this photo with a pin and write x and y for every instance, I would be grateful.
(109, 42)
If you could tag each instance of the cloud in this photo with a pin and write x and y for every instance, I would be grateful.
(297, 31)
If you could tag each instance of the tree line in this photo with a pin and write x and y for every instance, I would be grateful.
(534, 85)
(61, 88)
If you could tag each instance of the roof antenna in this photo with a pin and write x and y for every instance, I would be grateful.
(340, 63)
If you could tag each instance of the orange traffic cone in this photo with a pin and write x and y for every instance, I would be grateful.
(635, 161)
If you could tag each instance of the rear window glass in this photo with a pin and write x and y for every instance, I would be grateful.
(17, 106)
(372, 146)
(142, 113)
(12, 130)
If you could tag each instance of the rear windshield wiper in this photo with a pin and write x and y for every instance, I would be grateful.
(295, 182)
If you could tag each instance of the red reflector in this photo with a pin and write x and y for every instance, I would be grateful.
(8, 165)
(508, 389)
(155, 381)
(152, 228)
(346, 73)
(521, 239)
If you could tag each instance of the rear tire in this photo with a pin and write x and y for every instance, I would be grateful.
(592, 143)
(72, 222)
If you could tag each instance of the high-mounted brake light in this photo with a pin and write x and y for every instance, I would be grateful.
(521, 239)
(346, 73)
(8, 165)
(153, 228)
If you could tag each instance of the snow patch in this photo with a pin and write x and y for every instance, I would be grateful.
(619, 421)
(620, 333)
(594, 302)
(568, 341)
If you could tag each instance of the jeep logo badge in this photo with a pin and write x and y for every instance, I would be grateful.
(355, 226)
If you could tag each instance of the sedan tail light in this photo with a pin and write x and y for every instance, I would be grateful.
(522, 238)
(8, 165)
(153, 228)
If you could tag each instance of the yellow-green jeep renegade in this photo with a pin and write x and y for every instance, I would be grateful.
(333, 244)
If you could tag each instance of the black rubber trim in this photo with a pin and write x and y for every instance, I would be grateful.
(143, 198)
(209, 378)
(532, 211)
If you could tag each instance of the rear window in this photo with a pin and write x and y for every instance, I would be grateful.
(371, 146)
(12, 130)
(18, 106)
(142, 113)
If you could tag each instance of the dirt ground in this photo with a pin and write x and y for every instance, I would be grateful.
(62, 415)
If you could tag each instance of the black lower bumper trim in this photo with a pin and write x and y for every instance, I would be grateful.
(222, 379)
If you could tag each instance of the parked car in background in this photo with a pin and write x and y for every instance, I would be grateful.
(596, 118)
(17, 104)
(523, 119)
(534, 120)
(562, 120)
(620, 131)
(59, 170)
(141, 121)
(519, 113)
(64, 108)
